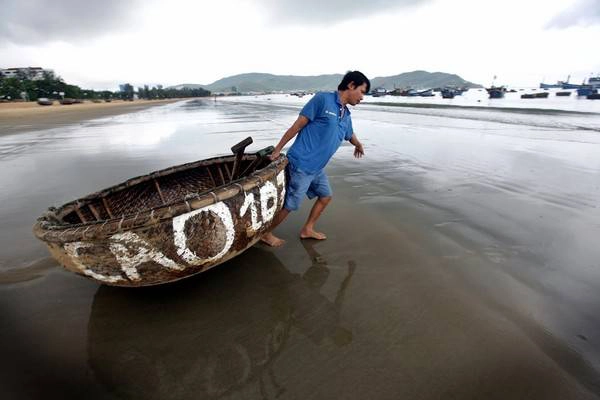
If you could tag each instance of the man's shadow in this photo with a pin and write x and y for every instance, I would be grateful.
(212, 335)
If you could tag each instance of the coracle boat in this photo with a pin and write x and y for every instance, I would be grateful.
(169, 224)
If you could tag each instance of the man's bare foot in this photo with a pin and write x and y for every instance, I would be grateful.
(311, 234)
(272, 240)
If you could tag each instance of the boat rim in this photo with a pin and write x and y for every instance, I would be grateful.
(49, 227)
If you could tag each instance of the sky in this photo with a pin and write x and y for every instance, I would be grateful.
(99, 44)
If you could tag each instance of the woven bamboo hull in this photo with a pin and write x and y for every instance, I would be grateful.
(169, 241)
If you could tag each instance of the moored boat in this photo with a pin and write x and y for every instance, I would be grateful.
(448, 93)
(496, 92)
(557, 85)
(593, 96)
(565, 93)
(379, 92)
(169, 224)
(585, 90)
(426, 93)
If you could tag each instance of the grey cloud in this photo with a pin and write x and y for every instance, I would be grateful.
(322, 12)
(582, 13)
(38, 21)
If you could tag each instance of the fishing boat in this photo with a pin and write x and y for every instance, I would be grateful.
(168, 224)
(402, 92)
(557, 85)
(448, 93)
(594, 95)
(426, 93)
(567, 85)
(379, 92)
(496, 92)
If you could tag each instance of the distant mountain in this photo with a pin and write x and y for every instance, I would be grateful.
(421, 80)
(259, 82)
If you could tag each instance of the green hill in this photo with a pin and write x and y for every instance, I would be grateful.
(421, 80)
(259, 82)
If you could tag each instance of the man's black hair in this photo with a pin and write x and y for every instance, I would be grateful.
(354, 76)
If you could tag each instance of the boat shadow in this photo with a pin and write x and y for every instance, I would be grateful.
(214, 335)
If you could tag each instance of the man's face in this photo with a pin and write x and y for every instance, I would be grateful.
(356, 93)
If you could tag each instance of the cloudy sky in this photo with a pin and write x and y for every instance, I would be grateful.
(98, 44)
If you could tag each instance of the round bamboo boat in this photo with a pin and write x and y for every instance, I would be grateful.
(169, 224)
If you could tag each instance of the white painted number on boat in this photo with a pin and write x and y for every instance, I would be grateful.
(221, 210)
(130, 250)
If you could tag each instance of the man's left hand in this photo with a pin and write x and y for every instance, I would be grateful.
(359, 151)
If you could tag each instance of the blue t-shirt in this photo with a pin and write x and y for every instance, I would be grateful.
(322, 136)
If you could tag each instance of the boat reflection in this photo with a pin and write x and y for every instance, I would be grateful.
(215, 335)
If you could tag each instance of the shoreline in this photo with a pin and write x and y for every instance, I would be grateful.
(482, 107)
(29, 116)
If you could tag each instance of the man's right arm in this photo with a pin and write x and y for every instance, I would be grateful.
(289, 135)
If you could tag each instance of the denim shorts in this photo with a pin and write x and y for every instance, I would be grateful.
(300, 183)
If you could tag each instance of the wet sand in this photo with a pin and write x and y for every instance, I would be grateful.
(460, 263)
(30, 116)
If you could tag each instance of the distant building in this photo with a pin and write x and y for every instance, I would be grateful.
(33, 73)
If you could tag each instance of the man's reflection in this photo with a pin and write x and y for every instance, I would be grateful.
(313, 314)
(216, 334)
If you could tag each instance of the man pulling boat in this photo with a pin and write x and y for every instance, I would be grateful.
(322, 125)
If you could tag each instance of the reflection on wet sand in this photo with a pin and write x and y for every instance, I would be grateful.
(207, 338)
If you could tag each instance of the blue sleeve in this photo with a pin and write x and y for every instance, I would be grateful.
(350, 130)
(313, 108)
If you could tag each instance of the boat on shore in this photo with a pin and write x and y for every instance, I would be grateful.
(43, 101)
(67, 101)
(542, 95)
(168, 224)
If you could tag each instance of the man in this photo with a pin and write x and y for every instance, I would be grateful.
(322, 125)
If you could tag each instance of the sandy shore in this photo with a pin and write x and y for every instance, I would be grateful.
(21, 117)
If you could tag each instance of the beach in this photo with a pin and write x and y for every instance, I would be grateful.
(18, 117)
(460, 262)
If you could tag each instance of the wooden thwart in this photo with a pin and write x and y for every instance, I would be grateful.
(221, 174)
(162, 199)
(211, 177)
(95, 212)
(105, 202)
(80, 214)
